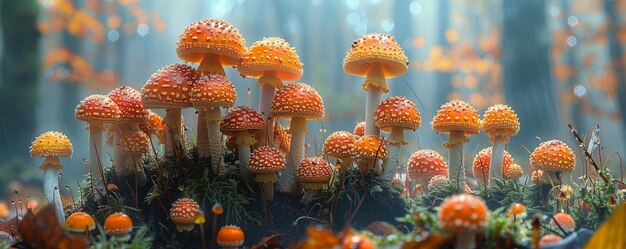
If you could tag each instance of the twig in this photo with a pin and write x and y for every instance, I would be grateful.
(587, 155)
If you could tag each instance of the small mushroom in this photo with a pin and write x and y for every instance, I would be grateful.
(359, 129)
(243, 122)
(183, 214)
(517, 210)
(437, 182)
(368, 151)
(549, 239)
(423, 165)
(339, 145)
(265, 162)
(464, 215)
(80, 223)
(512, 172)
(313, 174)
(118, 225)
(230, 237)
(565, 221)
(482, 163)
(499, 122)
(553, 156)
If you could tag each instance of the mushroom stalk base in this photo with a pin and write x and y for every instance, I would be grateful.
(214, 115)
(267, 190)
(465, 240)
(211, 65)
(497, 155)
(296, 155)
(173, 123)
(95, 156)
(202, 135)
(456, 174)
(267, 93)
(51, 192)
(119, 157)
(373, 100)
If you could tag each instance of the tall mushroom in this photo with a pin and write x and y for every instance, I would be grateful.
(482, 165)
(464, 215)
(457, 119)
(52, 145)
(135, 144)
(97, 110)
(551, 157)
(132, 114)
(299, 102)
(210, 93)
(243, 122)
(169, 88)
(424, 165)
(313, 173)
(376, 56)
(499, 122)
(265, 162)
(368, 151)
(396, 114)
(273, 61)
(339, 145)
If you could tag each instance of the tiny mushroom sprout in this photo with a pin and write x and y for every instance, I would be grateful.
(183, 214)
(499, 122)
(273, 61)
(464, 215)
(397, 184)
(230, 237)
(339, 145)
(513, 172)
(243, 122)
(517, 210)
(424, 165)
(396, 114)
(210, 93)
(155, 127)
(549, 239)
(438, 182)
(97, 110)
(265, 162)
(457, 119)
(376, 56)
(553, 156)
(52, 145)
(135, 144)
(368, 151)
(80, 222)
(359, 129)
(482, 162)
(118, 225)
(313, 174)
(132, 114)
(565, 221)
(169, 88)
(299, 102)
(212, 43)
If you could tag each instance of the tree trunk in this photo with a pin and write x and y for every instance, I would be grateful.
(616, 53)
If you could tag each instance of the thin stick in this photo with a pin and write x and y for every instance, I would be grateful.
(587, 155)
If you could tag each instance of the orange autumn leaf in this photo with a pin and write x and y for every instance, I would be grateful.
(562, 72)
(452, 36)
(471, 81)
(588, 60)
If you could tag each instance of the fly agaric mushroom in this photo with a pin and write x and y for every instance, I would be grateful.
(565, 221)
(273, 61)
(230, 237)
(97, 110)
(80, 223)
(499, 122)
(368, 151)
(464, 215)
(208, 95)
(243, 122)
(299, 102)
(135, 144)
(424, 165)
(169, 88)
(52, 145)
(265, 162)
(132, 114)
(549, 239)
(553, 156)
(457, 119)
(212, 43)
(359, 129)
(118, 225)
(339, 145)
(482, 162)
(376, 56)
(183, 214)
(314, 174)
(154, 127)
(517, 210)
(396, 114)
(512, 172)
(438, 182)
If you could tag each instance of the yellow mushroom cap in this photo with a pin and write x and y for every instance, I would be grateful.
(297, 100)
(553, 155)
(397, 111)
(339, 144)
(376, 48)
(271, 54)
(51, 143)
(211, 36)
(457, 115)
(500, 121)
(369, 147)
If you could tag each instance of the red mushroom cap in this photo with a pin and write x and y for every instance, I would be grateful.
(97, 108)
(482, 162)
(136, 142)
(231, 236)
(553, 155)
(129, 101)
(550, 239)
(266, 159)
(211, 36)
(369, 147)
(118, 224)
(184, 211)
(339, 144)
(297, 100)
(312, 171)
(242, 118)
(397, 111)
(464, 212)
(213, 90)
(565, 221)
(169, 87)
(425, 164)
(359, 129)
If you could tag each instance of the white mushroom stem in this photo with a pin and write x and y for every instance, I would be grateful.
(375, 78)
(202, 135)
(173, 123)
(456, 174)
(119, 157)
(396, 141)
(465, 240)
(213, 117)
(266, 181)
(296, 154)
(96, 171)
(51, 186)
(497, 156)
(245, 139)
(211, 65)
(267, 93)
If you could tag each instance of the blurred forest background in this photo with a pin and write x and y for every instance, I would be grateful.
(554, 61)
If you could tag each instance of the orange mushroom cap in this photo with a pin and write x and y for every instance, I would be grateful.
(369, 147)
(169, 87)
(271, 54)
(266, 159)
(397, 111)
(339, 144)
(242, 118)
(464, 212)
(136, 142)
(80, 222)
(517, 209)
(183, 211)
(155, 126)
(457, 115)
(213, 90)
(211, 36)
(537, 176)
(553, 155)
(500, 121)
(128, 99)
(97, 108)
(118, 224)
(313, 173)
(283, 138)
(230, 236)
(512, 171)
(482, 162)
(565, 220)
(51, 143)
(425, 164)
(550, 239)
(297, 100)
(438, 181)
(359, 129)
